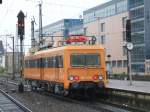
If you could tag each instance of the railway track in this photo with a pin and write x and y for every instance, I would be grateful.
(9, 104)
(91, 104)
(100, 104)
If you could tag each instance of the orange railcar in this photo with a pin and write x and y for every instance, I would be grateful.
(67, 68)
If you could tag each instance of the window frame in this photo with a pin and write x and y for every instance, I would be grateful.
(85, 64)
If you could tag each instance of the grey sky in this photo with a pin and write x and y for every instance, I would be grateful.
(53, 10)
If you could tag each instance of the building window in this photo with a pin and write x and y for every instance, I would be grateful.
(113, 63)
(103, 39)
(125, 63)
(102, 27)
(119, 63)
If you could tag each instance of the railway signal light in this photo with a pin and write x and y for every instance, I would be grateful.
(128, 30)
(21, 24)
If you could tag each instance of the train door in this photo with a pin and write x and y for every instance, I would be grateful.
(58, 68)
(42, 68)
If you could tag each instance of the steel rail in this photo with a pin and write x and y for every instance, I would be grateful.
(19, 104)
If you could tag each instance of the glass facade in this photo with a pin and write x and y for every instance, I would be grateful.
(136, 14)
(135, 3)
(63, 26)
(121, 6)
(77, 29)
(147, 28)
(109, 9)
(138, 37)
(137, 26)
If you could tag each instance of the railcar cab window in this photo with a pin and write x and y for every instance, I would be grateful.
(79, 60)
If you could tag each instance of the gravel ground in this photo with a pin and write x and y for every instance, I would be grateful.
(41, 103)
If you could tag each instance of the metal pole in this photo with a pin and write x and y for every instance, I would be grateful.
(32, 34)
(129, 66)
(13, 60)
(6, 57)
(21, 56)
(40, 24)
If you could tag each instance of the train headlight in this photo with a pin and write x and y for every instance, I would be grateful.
(71, 78)
(100, 77)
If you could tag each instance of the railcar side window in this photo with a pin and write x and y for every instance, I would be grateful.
(55, 62)
(31, 63)
(26, 63)
(35, 63)
(50, 62)
(46, 62)
(85, 60)
(39, 65)
(60, 61)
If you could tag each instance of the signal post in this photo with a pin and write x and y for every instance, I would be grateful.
(21, 31)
